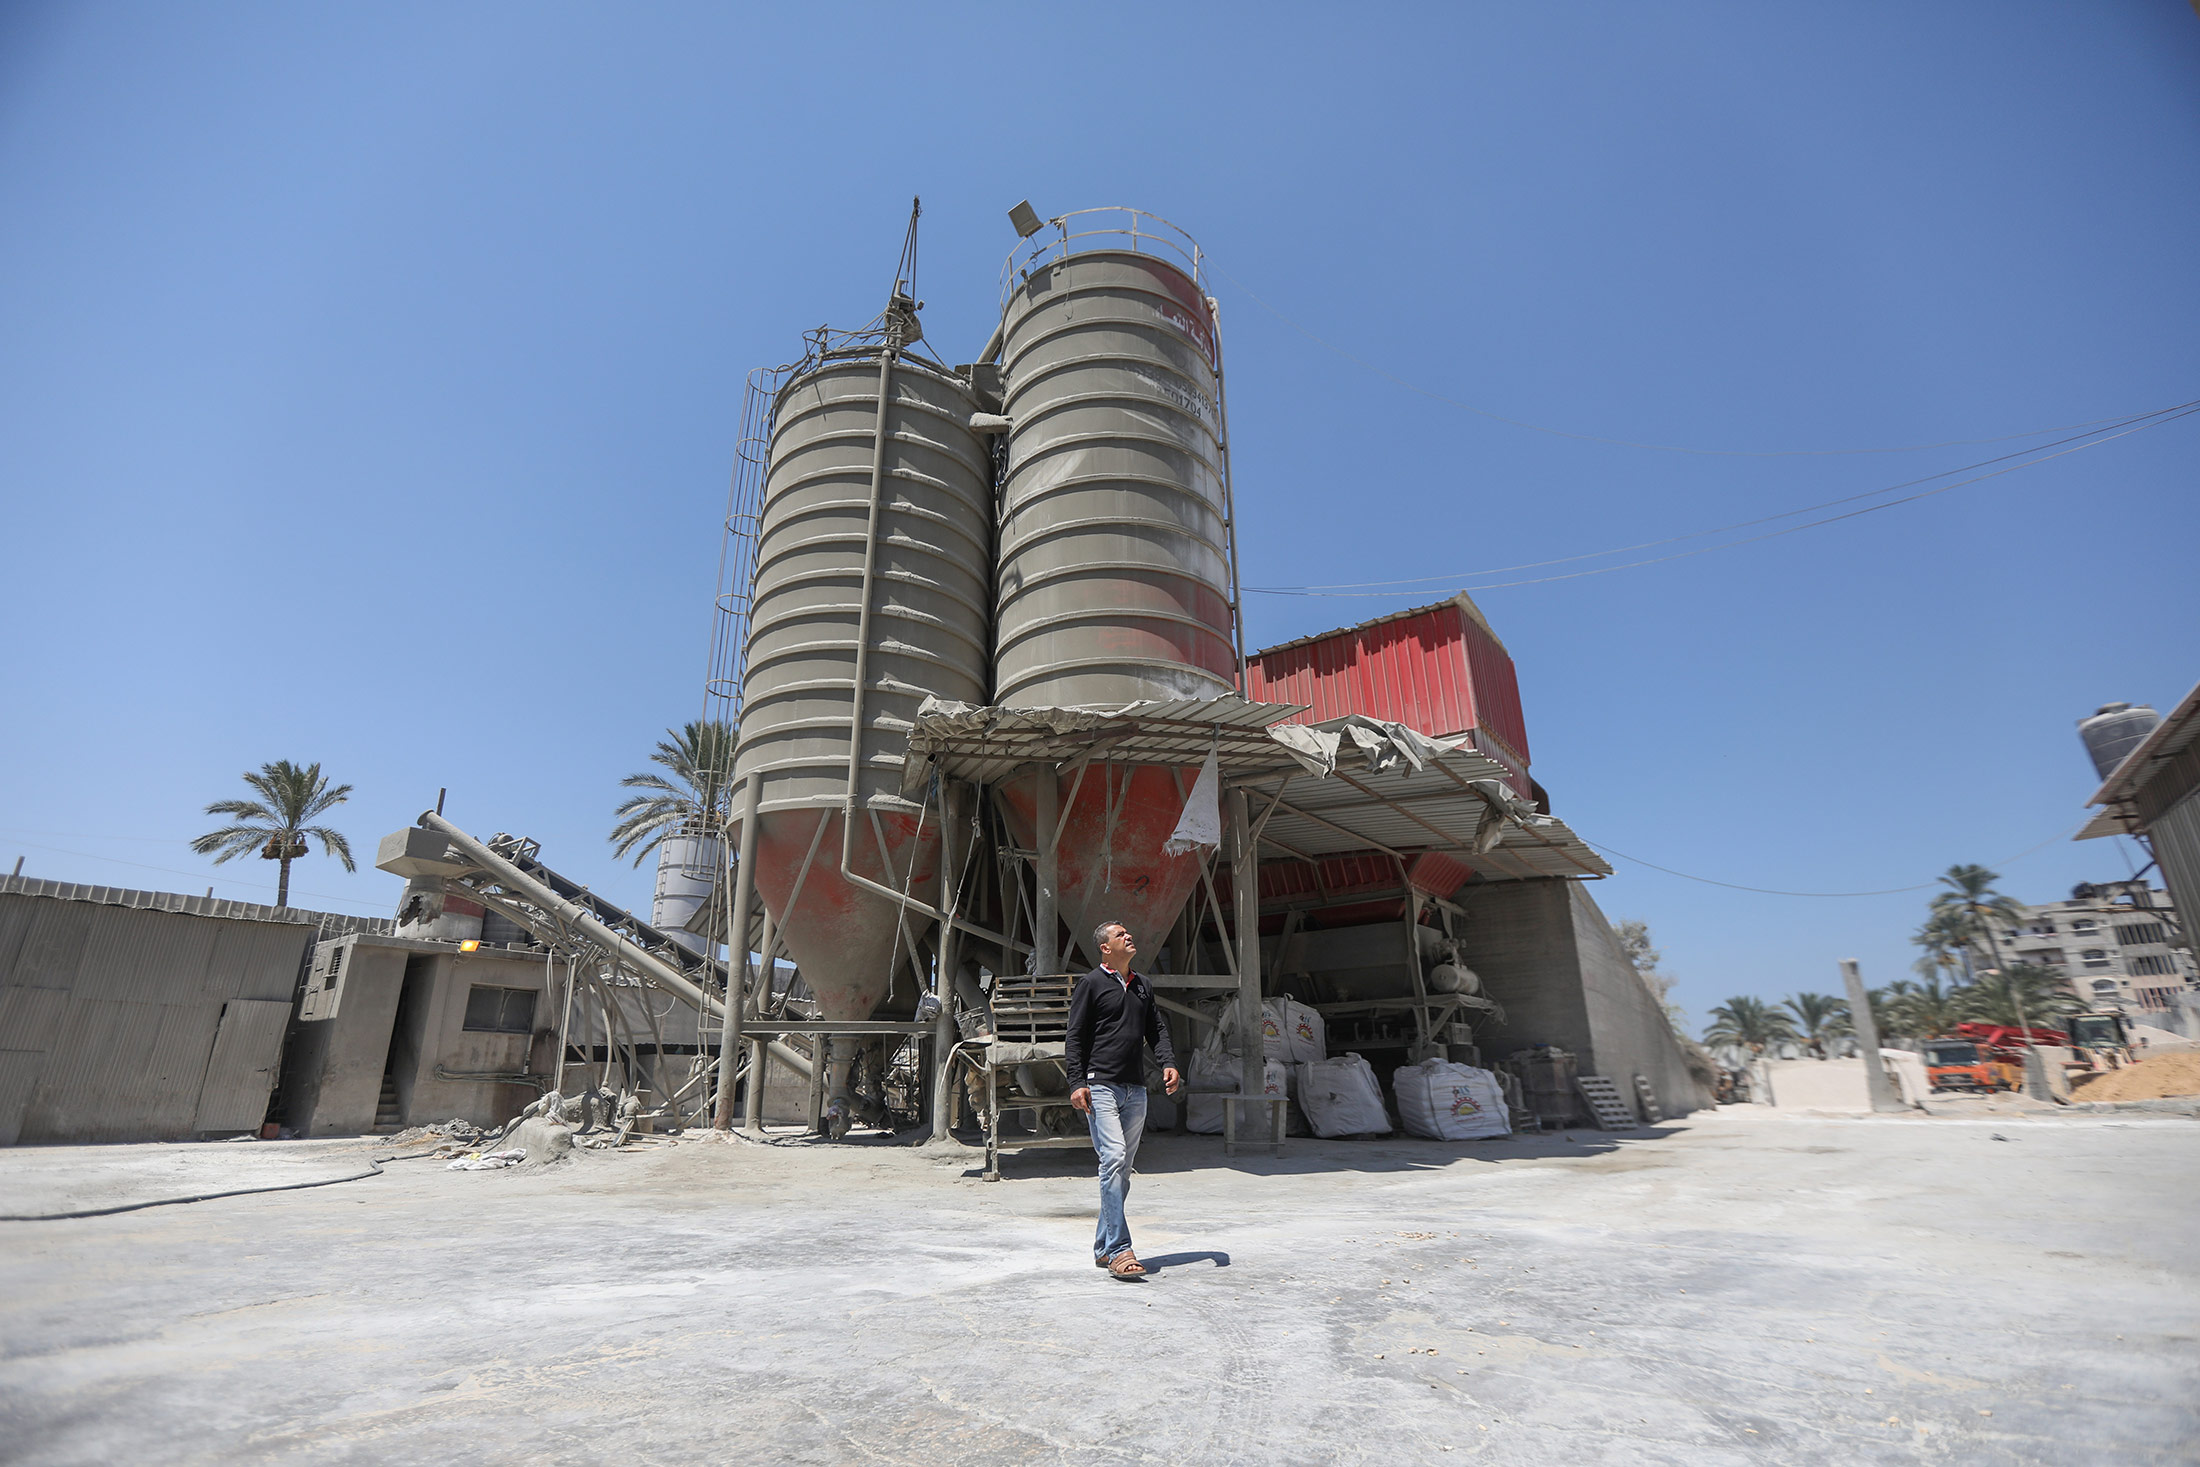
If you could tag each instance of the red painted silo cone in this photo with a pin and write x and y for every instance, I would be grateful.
(1114, 870)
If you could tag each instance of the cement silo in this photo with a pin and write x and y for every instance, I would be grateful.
(870, 592)
(1115, 580)
(2113, 731)
(688, 863)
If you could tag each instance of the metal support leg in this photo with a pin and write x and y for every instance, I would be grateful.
(737, 953)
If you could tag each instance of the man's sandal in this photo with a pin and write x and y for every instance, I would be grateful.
(1125, 1265)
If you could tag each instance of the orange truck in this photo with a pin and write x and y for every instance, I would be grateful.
(1983, 1057)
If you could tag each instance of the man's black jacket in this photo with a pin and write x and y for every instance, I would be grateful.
(1108, 1025)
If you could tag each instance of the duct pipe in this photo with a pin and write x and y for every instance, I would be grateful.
(737, 956)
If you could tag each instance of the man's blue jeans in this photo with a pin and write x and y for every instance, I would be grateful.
(1118, 1119)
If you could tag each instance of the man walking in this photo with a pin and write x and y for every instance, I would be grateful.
(1112, 1018)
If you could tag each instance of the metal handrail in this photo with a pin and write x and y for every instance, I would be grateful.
(1159, 237)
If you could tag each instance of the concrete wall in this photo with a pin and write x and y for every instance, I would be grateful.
(436, 1037)
(1519, 938)
(1629, 1033)
(1545, 952)
(332, 1077)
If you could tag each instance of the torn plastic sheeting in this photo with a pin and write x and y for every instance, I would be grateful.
(1201, 822)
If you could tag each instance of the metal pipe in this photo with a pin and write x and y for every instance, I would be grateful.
(639, 958)
(886, 357)
(737, 953)
(752, 1106)
(1046, 939)
(954, 828)
(1229, 498)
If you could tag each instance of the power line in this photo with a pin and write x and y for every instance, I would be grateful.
(1774, 891)
(1742, 524)
(1495, 417)
(2168, 415)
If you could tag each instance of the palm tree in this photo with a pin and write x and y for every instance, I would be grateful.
(1976, 907)
(1750, 1023)
(1925, 1009)
(1945, 937)
(275, 824)
(2018, 994)
(1820, 1017)
(700, 757)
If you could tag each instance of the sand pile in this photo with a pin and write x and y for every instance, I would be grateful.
(2158, 1078)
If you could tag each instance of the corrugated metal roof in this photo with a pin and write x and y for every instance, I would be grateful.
(109, 1010)
(1432, 809)
(987, 744)
(1353, 808)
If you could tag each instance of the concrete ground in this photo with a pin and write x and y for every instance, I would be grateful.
(1743, 1286)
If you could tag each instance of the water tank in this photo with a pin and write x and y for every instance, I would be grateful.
(928, 602)
(1114, 568)
(2115, 731)
(687, 868)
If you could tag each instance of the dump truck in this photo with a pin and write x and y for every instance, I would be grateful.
(1983, 1058)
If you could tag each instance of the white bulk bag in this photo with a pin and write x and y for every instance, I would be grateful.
(1292, 1032)
(1448, 1102)
(1304, 1034)
(1203, 1101)
(1340, 1097)
(1214, 1070)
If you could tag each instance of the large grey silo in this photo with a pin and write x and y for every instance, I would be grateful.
(1113, 559)
(2114, 731)
(928, 613)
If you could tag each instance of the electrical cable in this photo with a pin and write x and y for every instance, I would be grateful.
(374, 1169)
(2163, 413)
(1415, 388)
(2141, 427)
(1774, 891)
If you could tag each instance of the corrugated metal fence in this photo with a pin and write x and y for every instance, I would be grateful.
(137, 1016)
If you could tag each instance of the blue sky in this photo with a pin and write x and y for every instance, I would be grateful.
(369, 377)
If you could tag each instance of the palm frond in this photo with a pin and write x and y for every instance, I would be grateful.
(333, 843)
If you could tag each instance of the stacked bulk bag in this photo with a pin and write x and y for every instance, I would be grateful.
(1341, 1097)
(1203, 1103)
(1448, 1102)
(1289, 1031)
(1304, 1037)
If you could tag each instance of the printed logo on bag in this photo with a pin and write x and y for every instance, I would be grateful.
(1306, 1028)
(1268, 1029)
(1463, 1102)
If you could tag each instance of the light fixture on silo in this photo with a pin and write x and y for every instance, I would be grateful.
(1026, 219)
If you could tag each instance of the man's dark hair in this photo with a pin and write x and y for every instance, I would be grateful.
(1100, 933)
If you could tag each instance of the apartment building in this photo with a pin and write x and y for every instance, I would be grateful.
(2114, 943)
